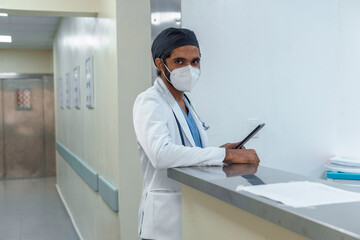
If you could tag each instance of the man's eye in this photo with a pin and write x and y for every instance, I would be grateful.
(178, 62)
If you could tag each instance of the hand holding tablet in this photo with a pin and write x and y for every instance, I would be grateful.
(248, 137)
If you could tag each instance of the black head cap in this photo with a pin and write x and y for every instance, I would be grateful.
(170, 39)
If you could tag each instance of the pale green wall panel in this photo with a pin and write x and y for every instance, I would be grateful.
(109, 193)
(86, 173)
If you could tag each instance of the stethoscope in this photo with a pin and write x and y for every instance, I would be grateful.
(206, 127)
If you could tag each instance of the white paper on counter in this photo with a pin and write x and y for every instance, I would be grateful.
(344, 160)
(302, 194)
(341, 168)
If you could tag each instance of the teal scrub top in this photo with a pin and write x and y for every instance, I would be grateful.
(193, 128)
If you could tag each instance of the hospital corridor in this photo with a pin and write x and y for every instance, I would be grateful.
(179, 120)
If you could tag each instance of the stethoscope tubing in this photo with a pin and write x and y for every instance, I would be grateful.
(197, 115)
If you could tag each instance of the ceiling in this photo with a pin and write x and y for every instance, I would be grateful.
(29, 32)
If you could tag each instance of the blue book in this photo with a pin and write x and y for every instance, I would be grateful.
(342, 175)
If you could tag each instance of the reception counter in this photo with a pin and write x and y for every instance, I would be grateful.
(212, 209)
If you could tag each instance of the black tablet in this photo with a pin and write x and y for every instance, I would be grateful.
(248, 137)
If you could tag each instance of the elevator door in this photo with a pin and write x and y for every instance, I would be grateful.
(23, 128)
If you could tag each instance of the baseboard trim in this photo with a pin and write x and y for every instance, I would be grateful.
(68, 211)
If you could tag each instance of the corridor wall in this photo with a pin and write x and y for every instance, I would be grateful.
(134, 69)
(88, 136)
(119, 40)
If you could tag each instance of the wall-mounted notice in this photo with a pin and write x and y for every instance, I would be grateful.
(68, 92)
(61, 93)
(23, 99)
(89, 78)
(77, 87)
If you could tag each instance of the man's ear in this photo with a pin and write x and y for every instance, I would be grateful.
(159, 64)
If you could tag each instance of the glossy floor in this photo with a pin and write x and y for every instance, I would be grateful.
(31, 209)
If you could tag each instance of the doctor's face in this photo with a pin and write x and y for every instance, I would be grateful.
(181, 57)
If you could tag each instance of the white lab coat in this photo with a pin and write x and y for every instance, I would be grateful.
(160, 148)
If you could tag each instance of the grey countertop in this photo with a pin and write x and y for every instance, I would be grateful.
(325, 222)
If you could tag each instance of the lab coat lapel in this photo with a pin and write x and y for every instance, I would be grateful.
(161, 87)
(202, 132)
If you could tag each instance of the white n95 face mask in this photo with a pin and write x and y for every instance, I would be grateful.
(184, 78)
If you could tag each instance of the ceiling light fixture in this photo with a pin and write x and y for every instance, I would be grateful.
(5, 38)
(4, 14)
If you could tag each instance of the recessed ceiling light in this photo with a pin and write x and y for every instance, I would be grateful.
(5, 38)
(4, 14)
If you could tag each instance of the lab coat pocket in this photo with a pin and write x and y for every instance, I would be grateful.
(167, 214)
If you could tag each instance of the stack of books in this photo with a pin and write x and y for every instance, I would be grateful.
(344, 169)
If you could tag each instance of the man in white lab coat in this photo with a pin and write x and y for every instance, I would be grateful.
(170, 134)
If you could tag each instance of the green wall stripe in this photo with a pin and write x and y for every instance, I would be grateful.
(86, 173)
(109, 193)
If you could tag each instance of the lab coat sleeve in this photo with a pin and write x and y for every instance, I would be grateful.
(151, 128)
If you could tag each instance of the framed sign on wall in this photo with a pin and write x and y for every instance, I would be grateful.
(77, 98)
(68, 92)
(23, 99)
(61, 93)
(89, 79)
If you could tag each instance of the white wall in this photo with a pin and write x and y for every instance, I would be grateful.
(91, 134)
(276, 61)
(348, 83)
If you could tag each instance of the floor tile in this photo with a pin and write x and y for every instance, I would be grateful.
(30, 209)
